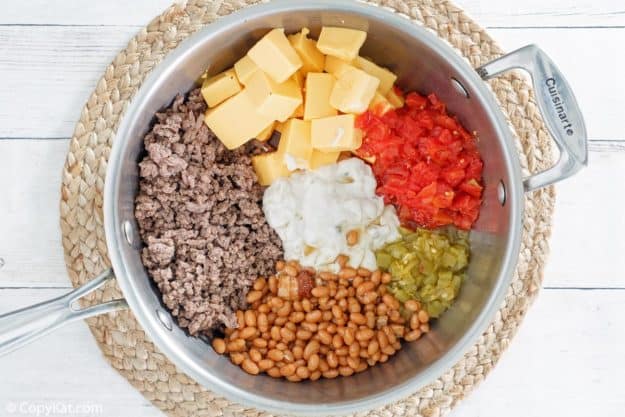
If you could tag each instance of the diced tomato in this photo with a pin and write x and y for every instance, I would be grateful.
(426, 163)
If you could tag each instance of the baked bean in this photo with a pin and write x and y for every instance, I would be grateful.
(298, 352)
(425, 327)
(331, 328)
(255, 355)
(313, 362)
(240, 319)
(365, 287)
(373, 347)
(363, 272)
(369, 298)
(342, 260)
(398, 329)
(323, 365)
(412, 305)
(253, 296)
(237, 345)
(265, 364)
(297, 306)
(280, 265)
(314, 316)
(280, 321)
(388, 350)
(337, 341)
(349, 336)
(320, 292)
(344, 351)
(347, 273)
(364, 334)
(423, 316)
(357, 281)
(315, 375)
(288, 356)
(353, 363)
(362, 367)
(287, 335)
(287, 370)
(302, 372)
(383, 358)
(274, 372)
(291, 326)
(307, 305)
(281, 346)
(327, 276)
(311, 348)
(346, 371)
(382, 339)
(358, 318)
(311, 327)
(412, 335)
(386, 278)
(390, 301)
(285, 310)
(354, 350)
(260, 284)
(219, 345)
(414, 322)
(352, 237)
(324, 337)
(248, 333)
(332, 360)
(275, 355)
(304, 334)
(237, 358)
(331, 373)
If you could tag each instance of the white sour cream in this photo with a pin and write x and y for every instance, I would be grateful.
(312, 211)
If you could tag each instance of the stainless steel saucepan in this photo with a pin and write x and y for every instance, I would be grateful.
(423, 63)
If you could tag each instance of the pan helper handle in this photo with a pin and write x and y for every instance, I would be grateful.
(559, 109)
(20, 327)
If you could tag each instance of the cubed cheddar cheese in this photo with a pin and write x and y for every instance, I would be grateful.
(312, 59)
(380, 104)
(295, 144)
(266, 134)
(244, 69)
(220, 87)
(336, 66)
(387, 78)
(275, 100)
(335, 133)
(236, 121)
(341, 42)
(395, 99)
(274, 55)
(269, 167)
(353, 91)
(319, 159)
(317, 102)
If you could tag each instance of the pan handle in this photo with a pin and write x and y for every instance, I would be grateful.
(558, 107)
(22, 326)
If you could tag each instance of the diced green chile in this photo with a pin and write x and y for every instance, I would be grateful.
(427, 265)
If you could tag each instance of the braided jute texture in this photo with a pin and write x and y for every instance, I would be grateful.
(126, 346)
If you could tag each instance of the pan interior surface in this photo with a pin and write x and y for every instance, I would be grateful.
(423, 63)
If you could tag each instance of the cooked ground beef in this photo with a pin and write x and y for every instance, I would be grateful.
(200, 218)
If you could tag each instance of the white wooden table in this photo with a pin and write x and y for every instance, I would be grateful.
(568, 356)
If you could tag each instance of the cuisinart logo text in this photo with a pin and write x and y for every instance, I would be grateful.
(557, 105)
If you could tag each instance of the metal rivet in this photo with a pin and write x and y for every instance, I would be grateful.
(164, 319)
(501, 193)
(128, 232)
(459, 87)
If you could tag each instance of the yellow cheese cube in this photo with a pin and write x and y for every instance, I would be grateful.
(335, 134)
(318, 89)
(395, 99)
(387, 78)
(295, 145)
(269, 167)
(312, 59)
(266, 134)
(220, 87)
(244, 69)
(336, 66)
(274, 55)
(341, 42)
(380, 104)
(319, 159)
(274, 100)
(353, 91)
(236, 120)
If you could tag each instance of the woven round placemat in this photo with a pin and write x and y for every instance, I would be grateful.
(126, 346)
